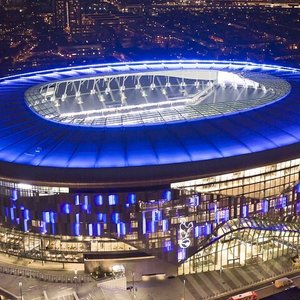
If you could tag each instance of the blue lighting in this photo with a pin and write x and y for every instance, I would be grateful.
(26, 214)
(144, 223)
(265, 206)
(121, 229)
(98, 229)
(168, 246)
(194, 200)
(14, 195)
(101, 217)
(113, 199)
(12, 213)
(156, 215)
(77, 218)
(77, 200)
(245, 211)
(131, 198)
(167, 195)
(115, 217)
(90, 229)
(181, 254)
(76, 229)
(46, 216)
(99, 200)
(86, 205)
(66, 208)
(25, 226)
(165, 225)
(298, 207)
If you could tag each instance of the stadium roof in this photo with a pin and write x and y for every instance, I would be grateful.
(35, 149)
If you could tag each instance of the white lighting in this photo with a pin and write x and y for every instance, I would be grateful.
(93, 92)
(164, 92)
(144, 94)
(79, 100)
(24, 186)
(63, 97)
(168, 84)
(102, 99)
(77, 94)
(138, 86)
(107, 90)
(152, 86)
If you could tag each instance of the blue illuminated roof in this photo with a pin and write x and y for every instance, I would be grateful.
(36, 145)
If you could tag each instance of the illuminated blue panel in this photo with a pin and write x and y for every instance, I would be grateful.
(26, 214)
(298, 188)
(113, 199)
(167, 194)
(12, 213)
(121, 229)
(298, 207)
(14, 195)
(131, 198)
(226, 214)
(76, 229)
(151, 226)
(281, 202)
(181, 254)
(194, 200)
(98, 229)
(144, 223)
(86, 205)
(46, 216)
(77, 200)
(265, 206)
(101, 217)
(77, 218)
(156, 215)
(168, 246)
(53, 217)
(245, 211)
(6, 209)
(90, 229)
(207, 229)
(115, 217)
(165, 225)
(66, 208)
(99, 200)
(25, 226)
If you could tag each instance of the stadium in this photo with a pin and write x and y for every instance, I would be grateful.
(159, 167)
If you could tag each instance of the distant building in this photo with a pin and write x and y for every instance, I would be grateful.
(68, 15)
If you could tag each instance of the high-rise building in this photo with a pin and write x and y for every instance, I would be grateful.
(68, 15)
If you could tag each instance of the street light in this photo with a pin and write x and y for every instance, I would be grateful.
(133, 287)
(183, 289)
(21, 291)
(75, 279)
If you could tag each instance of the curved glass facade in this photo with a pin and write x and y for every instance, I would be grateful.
(180, 225)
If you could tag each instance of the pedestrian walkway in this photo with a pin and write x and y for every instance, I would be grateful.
(215, 284)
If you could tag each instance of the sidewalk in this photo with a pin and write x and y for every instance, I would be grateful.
(214, 285)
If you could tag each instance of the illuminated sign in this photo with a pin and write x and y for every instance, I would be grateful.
(184, 233)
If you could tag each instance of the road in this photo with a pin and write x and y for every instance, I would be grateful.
(269, 289)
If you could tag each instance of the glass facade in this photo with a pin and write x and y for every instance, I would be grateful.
(199, 225)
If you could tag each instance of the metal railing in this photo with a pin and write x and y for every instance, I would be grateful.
(44, 276)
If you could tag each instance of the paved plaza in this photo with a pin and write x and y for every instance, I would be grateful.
(209, 285)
